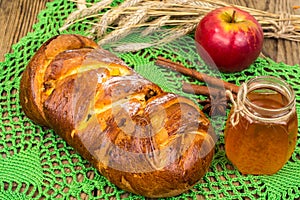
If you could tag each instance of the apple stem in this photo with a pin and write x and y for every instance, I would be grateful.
(233, 17)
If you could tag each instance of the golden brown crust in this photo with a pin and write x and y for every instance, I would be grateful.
(142, 139)
(32, 78)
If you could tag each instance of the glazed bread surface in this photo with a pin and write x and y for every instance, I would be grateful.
(142, 139)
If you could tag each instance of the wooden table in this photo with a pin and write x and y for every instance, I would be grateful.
(18, 16)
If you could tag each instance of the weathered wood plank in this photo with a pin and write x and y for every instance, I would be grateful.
(16, 20)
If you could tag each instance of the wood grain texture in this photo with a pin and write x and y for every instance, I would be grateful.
(18, 16)
(16, 20)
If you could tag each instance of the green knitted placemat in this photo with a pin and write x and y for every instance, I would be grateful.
(35, 163)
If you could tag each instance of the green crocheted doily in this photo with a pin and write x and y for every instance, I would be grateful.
(35, 163)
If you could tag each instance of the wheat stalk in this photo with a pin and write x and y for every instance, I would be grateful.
(155, 25)
(81, 4)
(165, 36)
(178, 32)
(82, 14)
(135, 18)
(109, 17)
(131, 47)
(183, 14)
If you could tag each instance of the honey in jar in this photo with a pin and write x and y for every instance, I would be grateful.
(262, 126)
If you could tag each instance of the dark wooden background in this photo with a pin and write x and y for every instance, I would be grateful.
(18, 16)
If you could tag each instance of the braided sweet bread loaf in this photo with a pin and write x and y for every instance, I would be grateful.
(141, 138)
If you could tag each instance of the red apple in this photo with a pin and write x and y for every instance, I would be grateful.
(230, 37)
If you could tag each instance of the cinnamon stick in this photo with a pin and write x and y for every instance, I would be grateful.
(209, 80)
(202, 89)
(199, 89)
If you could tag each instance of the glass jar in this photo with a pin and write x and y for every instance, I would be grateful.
(262, 126)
